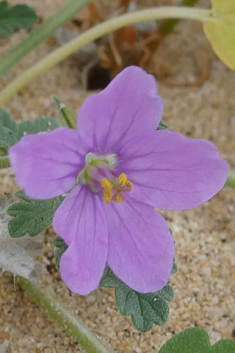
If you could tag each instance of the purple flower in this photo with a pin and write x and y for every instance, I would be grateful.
(117, 168)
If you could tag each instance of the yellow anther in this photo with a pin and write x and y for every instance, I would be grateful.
(122, 179)
(106, 183)
(107, 195)
(118, 198)
(129, 184)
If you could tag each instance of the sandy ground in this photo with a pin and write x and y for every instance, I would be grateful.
(205, 283)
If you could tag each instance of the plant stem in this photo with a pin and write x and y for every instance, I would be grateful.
(95, 32)
(166, 27)
(41, 33)
(4, 162)
(231, 179)
(64, 318)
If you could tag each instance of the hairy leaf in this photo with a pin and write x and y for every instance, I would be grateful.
(7, 139)
(18, 255)
(31, 216)
(196, 340)
(18, 16)
(38, 125)
(11, 132)
(8, 122)
(145, 309)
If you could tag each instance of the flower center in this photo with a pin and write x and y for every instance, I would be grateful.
(113, 189)
(99, 174)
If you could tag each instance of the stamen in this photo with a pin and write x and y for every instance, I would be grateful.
(113, 190)
(122, 179)
(107, 196)
(107, 185)
(129, 184)
(118, 198)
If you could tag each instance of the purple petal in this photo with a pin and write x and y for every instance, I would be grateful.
(172, 172)
(47, 164)
(128, 106)
(81, 222)
(141, 248)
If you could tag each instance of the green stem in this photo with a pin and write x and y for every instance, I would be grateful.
(231, 179)
(167, 26)
(41, 33)
(4, 162)
(95, 32)
(64, 318)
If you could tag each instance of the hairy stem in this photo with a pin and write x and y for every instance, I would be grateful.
(41, 33)
(100, 30)
(231, 179)
(71, 324)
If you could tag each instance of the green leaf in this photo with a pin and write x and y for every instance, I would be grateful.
(223, 346)
(31, 216)
(61, 248)
(18, 16)
(8, 131)
(7, 121)
(38, 125)
(11, 132)
(193, 340)
(196, 340)
(7, 138)
(145, 309)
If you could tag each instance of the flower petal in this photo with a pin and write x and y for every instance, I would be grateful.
(47, 164)
(141, 248)
(128, 106)
(172, 172)
(81, 222)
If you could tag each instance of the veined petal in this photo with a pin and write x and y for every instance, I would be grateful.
(172, 172)
(141, 248)
(80, 221)
(128, 106)
(47, 164)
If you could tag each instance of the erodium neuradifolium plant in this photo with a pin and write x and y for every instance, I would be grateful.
(102, 178)
(113, 172)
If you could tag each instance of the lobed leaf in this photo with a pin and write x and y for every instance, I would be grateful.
(18, 255)
(145, 309)
(196, 340)
(11, 132)
(40, 124)
(7, 139)
(31, 216)
(15, 17)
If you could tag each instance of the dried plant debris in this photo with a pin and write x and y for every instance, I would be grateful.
(18, 255)
(141, 44)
